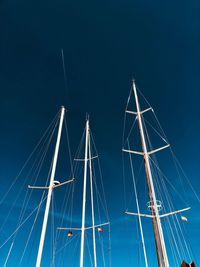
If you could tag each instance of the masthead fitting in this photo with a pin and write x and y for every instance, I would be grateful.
(87, 116)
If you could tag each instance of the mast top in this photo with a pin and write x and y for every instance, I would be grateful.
(87, 117)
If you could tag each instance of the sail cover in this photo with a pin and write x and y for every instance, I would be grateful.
(185, 264)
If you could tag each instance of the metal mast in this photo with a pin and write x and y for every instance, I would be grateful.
(92, 205)
(84, 193)
(44, 226)
(158, 232)
(87, 163)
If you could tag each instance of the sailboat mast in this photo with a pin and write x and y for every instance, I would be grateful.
(84, 193)
(92, 204)
(158, 232)
(48, 202)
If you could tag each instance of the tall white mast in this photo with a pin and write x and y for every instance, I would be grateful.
(92, 204)
(84, 193)
(44, 226)
(87, 163)
(158, 232)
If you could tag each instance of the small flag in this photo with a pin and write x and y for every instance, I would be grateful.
(69, 234)
(100, 230)
(183, 218)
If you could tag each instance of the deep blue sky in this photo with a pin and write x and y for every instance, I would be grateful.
(106, 44)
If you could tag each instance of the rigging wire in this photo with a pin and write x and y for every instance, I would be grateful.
(5, 264)
(123, 145)
(171, 207)
(185, 176)
(26, 200)
(176, 160)
(69, 148)
(138, 210)
(22, 184)
(64, 69)
(33, 225)
(19, 226)
(168, 181)
(158, 186)
(22, 220)
(126, 142)
(100, 199)
(28, 159)
(179, 240)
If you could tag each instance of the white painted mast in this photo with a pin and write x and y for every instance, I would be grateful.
(44, 226)
(84, 194)
(87, 163)
(158, 232)
(92, 204)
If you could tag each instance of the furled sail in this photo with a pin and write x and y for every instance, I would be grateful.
(185, 264)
